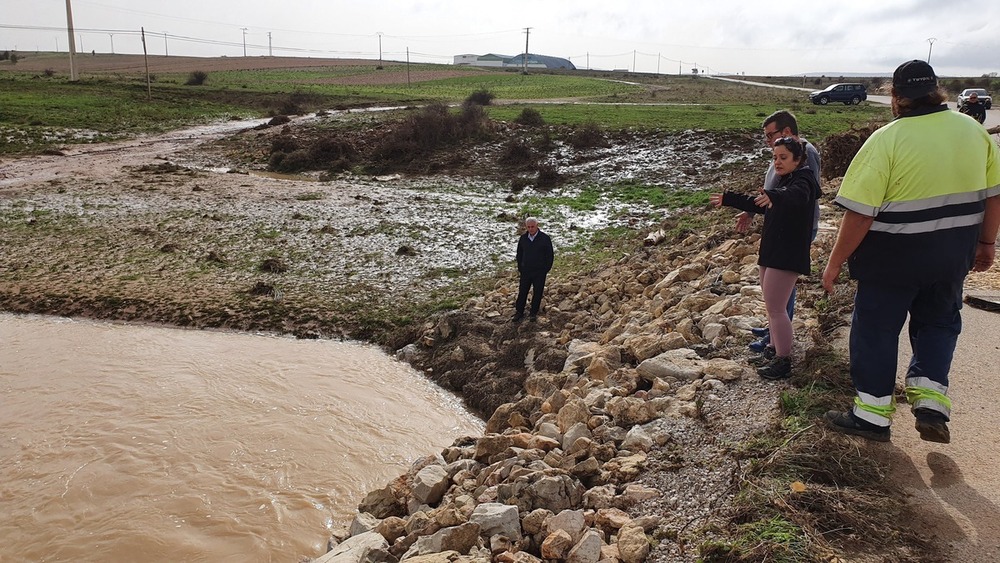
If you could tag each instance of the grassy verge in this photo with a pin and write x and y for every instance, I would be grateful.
(813, 123)
(38, 112)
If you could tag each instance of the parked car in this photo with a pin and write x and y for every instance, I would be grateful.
(847, 93)
(984, 97)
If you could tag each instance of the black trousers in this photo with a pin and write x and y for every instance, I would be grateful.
(535, 282)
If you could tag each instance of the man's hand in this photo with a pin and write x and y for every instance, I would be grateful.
(830, 275)
(985, 254)
(763, 200)
(744, 221)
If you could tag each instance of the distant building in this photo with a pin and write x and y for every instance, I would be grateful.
(516, 61)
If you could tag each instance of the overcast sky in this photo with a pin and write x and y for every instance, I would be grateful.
(720, 36)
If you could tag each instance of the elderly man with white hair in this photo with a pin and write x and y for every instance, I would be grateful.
(534, 260)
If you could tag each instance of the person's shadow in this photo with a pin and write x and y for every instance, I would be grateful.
(947, 482)
(947, 487)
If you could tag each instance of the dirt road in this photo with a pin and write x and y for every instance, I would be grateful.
(956, 487)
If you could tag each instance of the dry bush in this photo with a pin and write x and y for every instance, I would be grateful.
(530, 117)
(273, 266)
(588, 136)
(432, 128)
(839, 149)
(481, 97)
(548, 177)
(329, 153)
(196, 78)
(517, 153)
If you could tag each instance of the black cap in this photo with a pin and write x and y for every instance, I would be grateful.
(914, 79)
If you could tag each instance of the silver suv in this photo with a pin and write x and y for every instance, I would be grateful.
(984, 97)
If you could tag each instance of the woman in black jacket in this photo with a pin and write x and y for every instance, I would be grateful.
(788, 210)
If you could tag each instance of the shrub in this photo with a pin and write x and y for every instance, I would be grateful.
(431, 128)
(530, 117)
(548, 177)
(294, 161)
(293, 104)
(481, 97)
(5, 56)
(14, 58)
(330, 153)
(196, 78)
(516, 152)
(48, 73)
(588, 136)
(839, 149)
(284, 143)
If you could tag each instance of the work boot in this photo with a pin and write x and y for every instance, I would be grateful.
(764, 358)
(932, 425)
(848, 423)
(517, 317)
(778, 368)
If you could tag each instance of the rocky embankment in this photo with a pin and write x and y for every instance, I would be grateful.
(615, 421)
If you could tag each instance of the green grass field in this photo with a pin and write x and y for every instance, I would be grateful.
(38, 112)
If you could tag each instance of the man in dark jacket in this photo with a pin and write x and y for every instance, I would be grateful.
(974, 108)
(534, 260)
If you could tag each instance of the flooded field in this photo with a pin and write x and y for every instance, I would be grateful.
(173, 228)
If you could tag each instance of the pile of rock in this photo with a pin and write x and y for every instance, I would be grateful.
(555, 473)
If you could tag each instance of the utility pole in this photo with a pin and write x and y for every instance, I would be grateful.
(931, 46)
(166, 52)
(658, 63)
(633, 60)
(112, 35)
(145, 61)
(524, 60)
(379, 33)
(269, 43)
(244, 41)
(72, 45)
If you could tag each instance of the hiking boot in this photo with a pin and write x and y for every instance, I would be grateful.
(778, 368)
(848, 423)
(517, 317)
(760, 332)
(758, 345)
(932, 425)
(764, 358)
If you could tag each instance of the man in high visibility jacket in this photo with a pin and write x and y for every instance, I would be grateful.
(922, 200)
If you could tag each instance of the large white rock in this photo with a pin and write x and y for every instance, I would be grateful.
(369, 547)
(495, 518)
(430, 484)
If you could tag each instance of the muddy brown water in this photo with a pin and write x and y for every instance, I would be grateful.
(137, 443)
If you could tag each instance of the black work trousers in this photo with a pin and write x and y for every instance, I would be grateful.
(535, 281)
